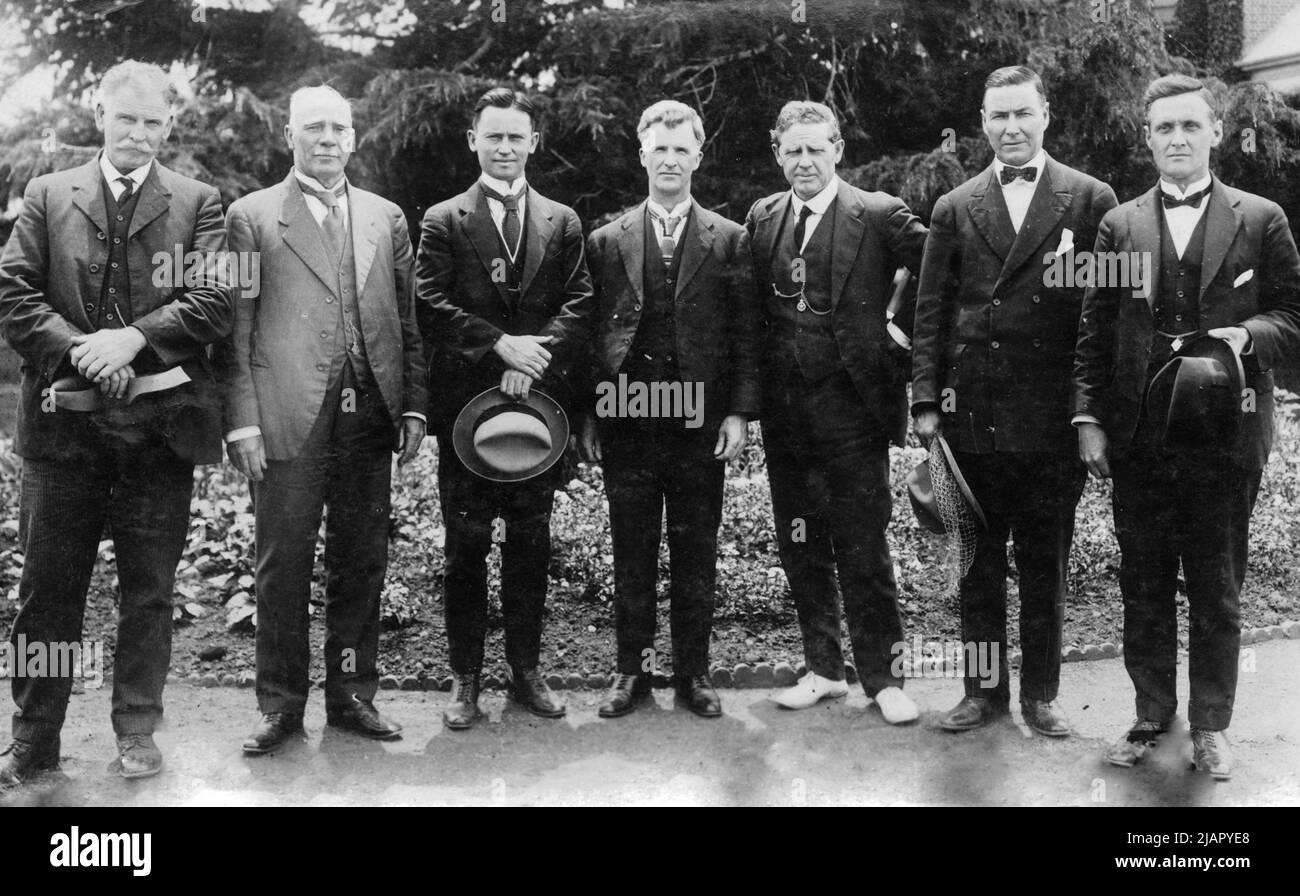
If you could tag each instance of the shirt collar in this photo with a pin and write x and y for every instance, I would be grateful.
(1039, 161)
(505, 189)
(111, 174)
(678, 211)
(1178, 193)
(314, 183)
(821, 201)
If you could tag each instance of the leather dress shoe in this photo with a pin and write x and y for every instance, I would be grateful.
(137, 756)
(361, 717)
(696, 691)
(624, 695)
(532, 693)
(1129, 749)
(272, 732)
(1045, 717)
(1211, 753)
(971, 713)
(24, 760)
(463, 710)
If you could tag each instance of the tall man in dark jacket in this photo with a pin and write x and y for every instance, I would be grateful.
(81, 294)
(504, 301)
(825, 254)
(1224, 266)
(675, 316)
(996, 322)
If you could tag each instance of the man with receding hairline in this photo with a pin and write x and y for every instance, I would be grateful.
(80, 300)
(324, 379)
(994, 347)
(834, 396)
(1226, 268)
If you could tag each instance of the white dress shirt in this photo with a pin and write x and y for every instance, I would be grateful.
(681, 210)
(111, 174)
(1183, 219)
(498, 211)
(1020, 192)
(818, 206)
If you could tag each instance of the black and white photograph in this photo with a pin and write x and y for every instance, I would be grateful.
(639, 403)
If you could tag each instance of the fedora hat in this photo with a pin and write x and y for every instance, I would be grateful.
(1194, 400)
(939, 492)
(506, 440)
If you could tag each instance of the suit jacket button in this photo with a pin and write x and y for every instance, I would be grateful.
(1035, 300)
(997, 301)
(997, 345)
(94, 269)
(1038, 343)
(90, 307)
(636, 307)
(100, 235)
(324, 335)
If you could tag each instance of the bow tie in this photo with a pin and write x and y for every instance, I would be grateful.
(1192, 200)
(1009, 174)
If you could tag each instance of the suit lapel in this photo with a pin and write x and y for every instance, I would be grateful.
(846, 240)
(765, 230)
(699, 235)
(1222, 219)
(302, 234)
(988, 210)
(1144, 234)
(537, 235)
(631, 248)
(365, 235)
(476, 221)
(154, 199)
(88, 194)
(1048, 205)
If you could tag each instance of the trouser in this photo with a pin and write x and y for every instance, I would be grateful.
(1029, 497)
(346, 466)
(828, 464)
(1169, 508)
(470, 504)
(141, 490)
(650, 467)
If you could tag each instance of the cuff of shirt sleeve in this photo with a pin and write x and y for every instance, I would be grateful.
(898, 335)
(418, 416)
(1084, 418)
(244, 432)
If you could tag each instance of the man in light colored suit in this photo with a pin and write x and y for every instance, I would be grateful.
(1223, 265)
(324, 377)
(993, 358)
(81, 295)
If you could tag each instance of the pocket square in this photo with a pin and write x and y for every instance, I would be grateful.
(1243, 277)
(1067, 241)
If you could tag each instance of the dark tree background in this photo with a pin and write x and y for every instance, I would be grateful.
(905, 76)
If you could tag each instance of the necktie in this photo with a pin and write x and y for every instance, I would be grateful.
(1192, 200)
(800, 229)
(667, 243)
(128, 187)
(332, 225)
(1009, 174)
(510, 224)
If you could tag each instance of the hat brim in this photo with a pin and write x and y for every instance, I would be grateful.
(543, 406)
(920, 491)
(961, 482)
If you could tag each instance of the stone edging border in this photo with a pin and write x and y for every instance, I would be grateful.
(743, 675)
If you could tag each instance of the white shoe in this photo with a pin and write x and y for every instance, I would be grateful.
(811, 689)
(896, 707)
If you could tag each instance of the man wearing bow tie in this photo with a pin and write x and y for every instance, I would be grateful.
(80, 296)
(993, 364)
(1226, 266)
(834, 395)
(674, 307)
(324, 380)
(505, 302)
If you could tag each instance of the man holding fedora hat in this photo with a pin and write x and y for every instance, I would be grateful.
(673, 308)
(834, 395)
(505, 305)
(992, 364)
(1154, 365)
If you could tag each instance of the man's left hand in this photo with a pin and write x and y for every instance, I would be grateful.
(101, 354)
(732, 435)
(413, 429)
(1237, 337)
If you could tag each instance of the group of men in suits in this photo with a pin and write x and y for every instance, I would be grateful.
(355, 346)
